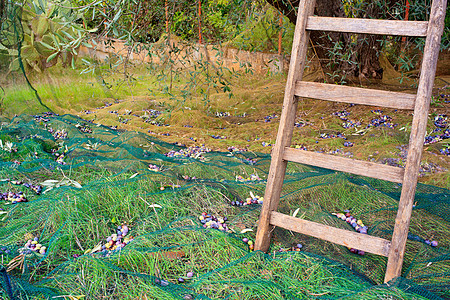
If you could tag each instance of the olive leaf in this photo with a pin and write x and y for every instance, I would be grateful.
(50, 34)
(52, 183)
(92, 146)
(8, 146)
(155, 205)
(52, 56)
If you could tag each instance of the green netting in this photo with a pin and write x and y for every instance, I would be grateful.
(96, 178)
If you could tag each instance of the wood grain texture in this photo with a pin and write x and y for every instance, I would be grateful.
(347, 94)
(282, 153)
(370, 26)
(418, 131)
(338, 236)
(337, 163)
(285, 130)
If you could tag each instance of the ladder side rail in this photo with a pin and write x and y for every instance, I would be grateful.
(285, 130)
(418, 131)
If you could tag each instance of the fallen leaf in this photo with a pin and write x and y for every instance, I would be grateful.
(155, 205)
(97, 248)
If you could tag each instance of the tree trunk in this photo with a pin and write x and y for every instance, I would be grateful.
(344, 56)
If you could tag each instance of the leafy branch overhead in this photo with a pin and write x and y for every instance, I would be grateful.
(51, 33)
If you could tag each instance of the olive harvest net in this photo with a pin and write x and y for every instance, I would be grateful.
(92, 211)
(88, 211)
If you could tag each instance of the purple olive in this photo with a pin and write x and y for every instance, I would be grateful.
(434, 243)
(245, 240)
(180, 280)
(189, 274)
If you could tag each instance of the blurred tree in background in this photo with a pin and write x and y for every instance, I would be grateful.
(51, 31)
(357, 55)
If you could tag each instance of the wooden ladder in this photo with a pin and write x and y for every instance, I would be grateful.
(282, 153)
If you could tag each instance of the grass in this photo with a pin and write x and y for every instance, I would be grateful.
(170, 241)
(253, 95)
(117, 188)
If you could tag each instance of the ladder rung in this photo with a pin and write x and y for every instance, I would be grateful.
(348, 94)
(338, 236)
(348, 165)
(370, 26)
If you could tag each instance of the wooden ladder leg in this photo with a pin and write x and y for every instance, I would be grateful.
(286, 127)
(418, 131)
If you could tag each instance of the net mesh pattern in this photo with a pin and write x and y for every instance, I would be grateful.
(96, 178)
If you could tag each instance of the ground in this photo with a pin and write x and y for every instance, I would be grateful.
(249, 119)
(131, 179)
